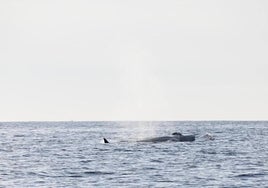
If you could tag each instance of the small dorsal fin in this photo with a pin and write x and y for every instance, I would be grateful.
(105, 140)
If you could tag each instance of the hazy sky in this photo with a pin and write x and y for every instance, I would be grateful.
(133, 60)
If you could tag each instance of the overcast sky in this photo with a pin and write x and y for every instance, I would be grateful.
(133, 60)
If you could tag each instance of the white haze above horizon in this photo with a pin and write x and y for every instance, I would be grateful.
(133, 60)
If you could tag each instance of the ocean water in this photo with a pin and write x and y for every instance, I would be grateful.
(72, 154)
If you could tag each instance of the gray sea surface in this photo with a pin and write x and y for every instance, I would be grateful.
(72, 154)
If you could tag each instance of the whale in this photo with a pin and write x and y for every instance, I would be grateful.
(176, 137)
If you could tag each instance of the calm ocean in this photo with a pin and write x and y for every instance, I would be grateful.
(72, 154)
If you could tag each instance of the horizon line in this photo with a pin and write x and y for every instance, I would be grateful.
(206, 120)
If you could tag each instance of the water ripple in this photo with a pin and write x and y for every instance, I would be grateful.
(72, 154)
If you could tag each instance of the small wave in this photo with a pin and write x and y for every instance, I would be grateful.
(156, 161)
(250, 175)
(164, 181)
(149, 168)
(86, 161)
(213, 152)
(40, 182)
(75, 176)
(101, 149)
(19, 135)
(26, 155)
(230, 153)
(98, 173)
(6, 150)
(192, 166)
(122, 150)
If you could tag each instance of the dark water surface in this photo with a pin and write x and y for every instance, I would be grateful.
(72, 154)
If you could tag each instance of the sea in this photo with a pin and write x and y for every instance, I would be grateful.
(73, 154)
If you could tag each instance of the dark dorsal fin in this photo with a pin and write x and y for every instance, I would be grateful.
(105, 140)
(176, 134)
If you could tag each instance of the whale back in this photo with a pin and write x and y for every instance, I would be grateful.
(187, 138)
(158, 139)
